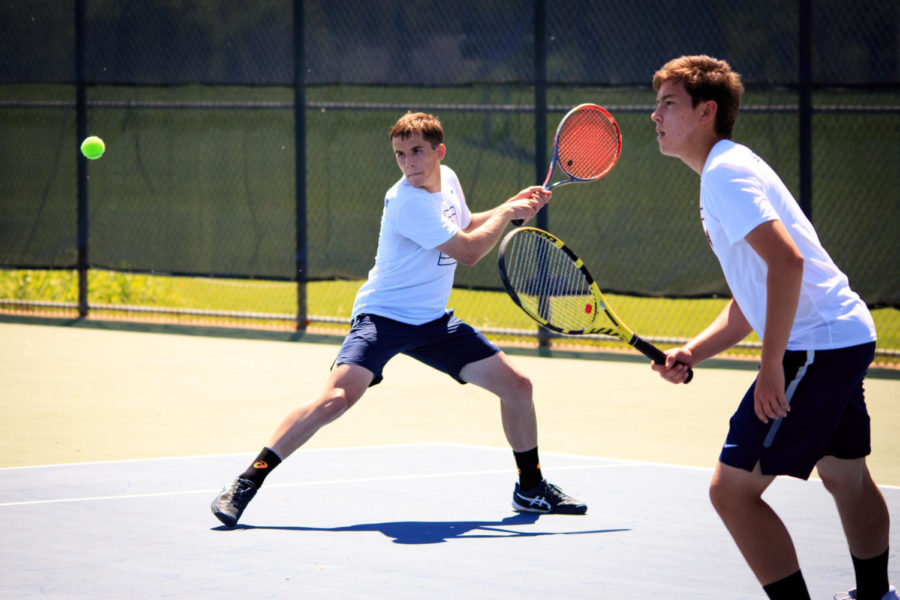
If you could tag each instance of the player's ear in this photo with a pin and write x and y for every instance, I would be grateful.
(441, 151)
(710, 108)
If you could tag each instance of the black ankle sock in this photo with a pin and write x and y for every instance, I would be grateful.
(871, 577)
(261, 467)
(791, 587)
(529, 468)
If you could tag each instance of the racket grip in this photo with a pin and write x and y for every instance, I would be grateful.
(517, 222)
(656, 355)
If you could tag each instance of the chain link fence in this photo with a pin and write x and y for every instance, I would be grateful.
(248, 149)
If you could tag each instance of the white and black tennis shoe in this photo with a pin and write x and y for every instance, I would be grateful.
(229, 505)
(546, 498)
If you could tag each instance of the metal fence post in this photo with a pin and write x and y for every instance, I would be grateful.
(540, 118)
(300, 164)
(82, 167)
(804, 114)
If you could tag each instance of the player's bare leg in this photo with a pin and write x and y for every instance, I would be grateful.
(498, 375)
(863, 512)
(866, 522)
(759, 533)
(346, 384)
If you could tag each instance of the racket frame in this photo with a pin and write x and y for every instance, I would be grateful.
(619, 328)
(554, 160)
(555, 155)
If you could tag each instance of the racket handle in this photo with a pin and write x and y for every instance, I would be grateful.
(655, 354)
(519, 222)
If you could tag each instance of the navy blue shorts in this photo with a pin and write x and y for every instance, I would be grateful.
(828, 415)
(447, 344)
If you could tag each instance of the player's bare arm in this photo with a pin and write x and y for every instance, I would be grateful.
(784, 263)
(726, 330)
(472, 244)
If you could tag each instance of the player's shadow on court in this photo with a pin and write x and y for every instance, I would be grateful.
(436, 532)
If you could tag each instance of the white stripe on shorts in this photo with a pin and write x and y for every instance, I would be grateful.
(788, 394)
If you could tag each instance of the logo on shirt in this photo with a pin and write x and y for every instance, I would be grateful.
(443, 259)
(703, 224)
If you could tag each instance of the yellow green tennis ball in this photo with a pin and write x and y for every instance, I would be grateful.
(93, 147)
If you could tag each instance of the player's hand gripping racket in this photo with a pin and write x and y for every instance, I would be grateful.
(587, 145)
(551, 284)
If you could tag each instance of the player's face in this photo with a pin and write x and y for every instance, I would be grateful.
(676, 120)
(419, 162)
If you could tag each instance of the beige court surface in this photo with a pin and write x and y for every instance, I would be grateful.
(88, 393)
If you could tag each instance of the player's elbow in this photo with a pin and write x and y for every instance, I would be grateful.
(469, 259)
(792, 259)
(469, 254)
(463, 249)
(791, 266)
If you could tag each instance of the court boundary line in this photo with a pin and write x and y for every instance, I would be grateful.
(610, 463)
(354, 448)
(196, 456)
(303, 484)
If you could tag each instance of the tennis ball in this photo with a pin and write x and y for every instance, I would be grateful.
(93, 147)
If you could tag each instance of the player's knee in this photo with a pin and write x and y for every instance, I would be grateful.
(718, 496)
(521, 388)
(725, 498)
(840, 479)
(333, 404)
(524, 386)
(516, 395)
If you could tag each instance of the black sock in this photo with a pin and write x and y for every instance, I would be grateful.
(529, 468)
(871, 577)
(791, 587)
(261, 467)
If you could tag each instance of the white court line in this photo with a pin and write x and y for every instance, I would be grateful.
(616, 462)
(355, 448)
(305, 483)
(216, 456)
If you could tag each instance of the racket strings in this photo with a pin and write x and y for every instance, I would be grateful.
(549, 284)
(589, 143)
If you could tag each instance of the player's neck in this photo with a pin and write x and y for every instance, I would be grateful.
(432, 186)
(697, 160)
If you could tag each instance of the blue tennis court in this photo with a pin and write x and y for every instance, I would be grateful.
(400, 521)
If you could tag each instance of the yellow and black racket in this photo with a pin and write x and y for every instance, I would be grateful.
(551, 284)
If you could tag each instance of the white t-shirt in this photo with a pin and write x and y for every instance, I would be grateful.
(738, 192)
(412, 279)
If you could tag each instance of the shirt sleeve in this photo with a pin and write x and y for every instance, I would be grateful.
(421, 220)
(465, 215)
(738, 201)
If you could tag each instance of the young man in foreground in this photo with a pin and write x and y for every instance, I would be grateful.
(806, 407)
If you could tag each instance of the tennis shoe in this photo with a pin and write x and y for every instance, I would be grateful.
(546, 498)
(851, 595)
(229, 505)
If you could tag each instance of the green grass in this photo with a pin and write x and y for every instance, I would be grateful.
(664, 318)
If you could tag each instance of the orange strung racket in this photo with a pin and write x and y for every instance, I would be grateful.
(587, 145)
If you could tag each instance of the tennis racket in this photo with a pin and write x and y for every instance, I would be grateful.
(586, 147)
(548, 281)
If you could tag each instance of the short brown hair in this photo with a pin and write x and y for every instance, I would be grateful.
(706, 78)
(428, 125)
